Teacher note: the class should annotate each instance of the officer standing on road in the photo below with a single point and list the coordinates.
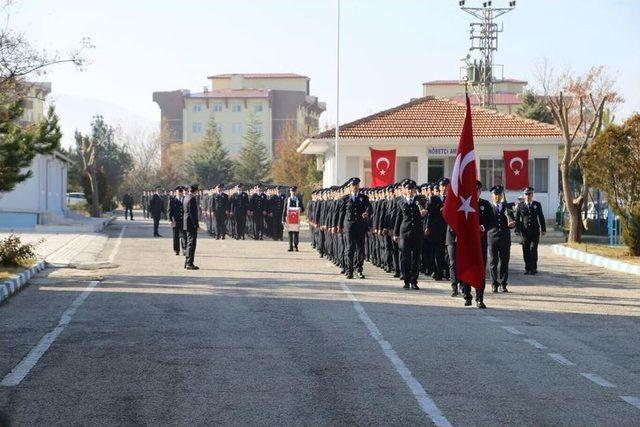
(354, 213)
(221, 210)
(408, 232)
(293, 201)
(191, 225)
(499, 239)
(530, 224)
(239, 209)
(156, 209)
(177, 220)
(127, 202)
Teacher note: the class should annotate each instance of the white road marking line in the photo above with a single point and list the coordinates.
(115, 249)
(512, 330)
(597, 379)
(493, 319)
(22, 369)
(424, 400)
(561, 359)
(535, 343)
(632, 400)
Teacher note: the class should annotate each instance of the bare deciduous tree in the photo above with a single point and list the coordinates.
(577, 103)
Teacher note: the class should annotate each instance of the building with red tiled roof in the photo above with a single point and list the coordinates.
(425, 133)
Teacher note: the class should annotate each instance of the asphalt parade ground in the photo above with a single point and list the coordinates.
(260, 336)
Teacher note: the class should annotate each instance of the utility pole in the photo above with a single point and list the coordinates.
(484, 38)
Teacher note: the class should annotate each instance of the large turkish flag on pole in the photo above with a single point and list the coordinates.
(461, 209)
(383, 167)
(516, 169)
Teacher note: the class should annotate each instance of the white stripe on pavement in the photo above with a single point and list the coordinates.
(597, 379)
(512, 330)
(535, 343)
(424, 400)
(21, 370)
(561, 359)
(632, 400)
(114, 252)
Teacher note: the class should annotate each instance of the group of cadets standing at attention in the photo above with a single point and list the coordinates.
(400, 229)
(227, 210)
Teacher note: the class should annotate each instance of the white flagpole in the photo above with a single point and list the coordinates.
(337, 96)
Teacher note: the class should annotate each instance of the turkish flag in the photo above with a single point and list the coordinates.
(383, 167)
(516, 169)
(461, 209)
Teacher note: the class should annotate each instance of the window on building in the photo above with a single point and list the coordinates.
(218, 106)
(196, 127)
(539, 175)
(236, 128)
(258, 127)
(220, 128)
(236, 107)
(435, 169)
(366, 171)
(491, 172)
(257, 108)
(197, 107)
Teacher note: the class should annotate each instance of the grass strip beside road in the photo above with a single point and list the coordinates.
(619, 253)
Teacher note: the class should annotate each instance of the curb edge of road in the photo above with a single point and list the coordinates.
(597, 260)
(12, 286)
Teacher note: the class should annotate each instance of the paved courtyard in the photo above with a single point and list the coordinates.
(260, 336)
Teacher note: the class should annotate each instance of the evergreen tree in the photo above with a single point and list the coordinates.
(253, 164)
(19, 145)
(210, 163)
(534, 108)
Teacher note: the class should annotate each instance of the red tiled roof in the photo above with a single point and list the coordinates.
(259, 76)
(453, 82)
(499, 98)
(431, 117)
(232, 93)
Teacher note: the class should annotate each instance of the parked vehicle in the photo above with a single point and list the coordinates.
(75, 198)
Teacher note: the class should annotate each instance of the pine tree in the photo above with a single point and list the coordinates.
(253, 164)
(533, 108)
(210, 163)
(19, 146)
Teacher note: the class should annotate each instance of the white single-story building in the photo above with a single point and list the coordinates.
(425, 134)
(39, 197)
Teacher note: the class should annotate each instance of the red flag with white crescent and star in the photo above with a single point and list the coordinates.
(461, 209)
(383, 167)
(516, 169)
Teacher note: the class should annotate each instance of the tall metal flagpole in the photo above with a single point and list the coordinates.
(337, 98)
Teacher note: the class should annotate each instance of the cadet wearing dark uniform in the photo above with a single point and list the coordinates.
(127, 202)
(156, 209)
(221, 209)
(259, 209)
(239, 209)
(499, 239)
(176, 216)
(437, 229)
(354, 213)
(408, 232)
(293, 201)
(191, 225)
(529, 224)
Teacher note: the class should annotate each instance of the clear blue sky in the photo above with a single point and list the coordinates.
(389, 47)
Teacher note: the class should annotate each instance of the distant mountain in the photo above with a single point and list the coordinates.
(75, 112)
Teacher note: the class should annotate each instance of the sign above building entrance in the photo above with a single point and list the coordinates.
(441, 151)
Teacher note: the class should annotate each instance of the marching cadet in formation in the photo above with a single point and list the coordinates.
(258, 211)
(408, 232)
(499, 239)
(529, 225)
(239, 209)
(176, 217)
(354, 212)
(191, 225)
(221, 210)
